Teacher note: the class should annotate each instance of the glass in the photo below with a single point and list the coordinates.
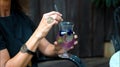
(65, 37)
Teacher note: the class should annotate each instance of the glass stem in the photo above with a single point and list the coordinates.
(64, 55)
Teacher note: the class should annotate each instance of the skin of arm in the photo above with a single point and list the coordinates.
(22, 59)
(46, 47)
(50, 49)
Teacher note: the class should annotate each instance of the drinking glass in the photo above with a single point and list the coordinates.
(65, 38)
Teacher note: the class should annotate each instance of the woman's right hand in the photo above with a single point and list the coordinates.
(47, 21)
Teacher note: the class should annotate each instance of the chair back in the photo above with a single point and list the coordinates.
(116, 30)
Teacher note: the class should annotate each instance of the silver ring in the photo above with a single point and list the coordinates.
(50, 20)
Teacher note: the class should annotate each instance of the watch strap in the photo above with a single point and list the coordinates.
(24, 49)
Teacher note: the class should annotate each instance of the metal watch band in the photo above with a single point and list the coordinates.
(24, 49)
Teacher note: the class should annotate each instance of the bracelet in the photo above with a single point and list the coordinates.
(24, 49)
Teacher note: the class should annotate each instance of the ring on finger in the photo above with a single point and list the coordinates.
(50, 20)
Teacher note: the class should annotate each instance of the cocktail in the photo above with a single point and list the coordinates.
(65, 37)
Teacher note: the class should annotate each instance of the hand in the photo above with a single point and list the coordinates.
(48, 20)
(59, 50)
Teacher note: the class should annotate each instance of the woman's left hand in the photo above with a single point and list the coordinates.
(59, 50)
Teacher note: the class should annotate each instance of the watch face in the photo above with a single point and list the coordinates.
(24, 48)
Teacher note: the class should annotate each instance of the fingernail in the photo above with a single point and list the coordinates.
(76, 42)
(73, 32)
(75, 36)
(72, 47)
(61, 19)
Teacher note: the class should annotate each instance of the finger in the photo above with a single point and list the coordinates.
(57, 17)
(51, 22)
(54, 12)
(75, 36)
(55, 43)
(73, 32)
(72, 47)
(76, 42)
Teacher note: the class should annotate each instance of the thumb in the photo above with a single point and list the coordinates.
(57, 47)
(55, 43)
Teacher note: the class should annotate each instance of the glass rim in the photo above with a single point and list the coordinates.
(67, 23)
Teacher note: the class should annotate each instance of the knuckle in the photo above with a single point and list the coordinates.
(44, 14)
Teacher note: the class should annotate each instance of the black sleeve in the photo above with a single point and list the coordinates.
(2, 42)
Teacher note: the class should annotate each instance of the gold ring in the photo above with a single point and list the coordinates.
(50, 20)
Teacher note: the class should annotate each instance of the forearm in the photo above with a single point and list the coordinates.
(50, 50)
(22, 59)
(46, 47)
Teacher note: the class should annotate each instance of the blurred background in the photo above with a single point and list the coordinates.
(93, 21)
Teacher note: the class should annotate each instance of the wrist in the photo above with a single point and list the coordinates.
(38, 34)
(24, 49)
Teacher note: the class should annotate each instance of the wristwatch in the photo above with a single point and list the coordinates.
(24, 49)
